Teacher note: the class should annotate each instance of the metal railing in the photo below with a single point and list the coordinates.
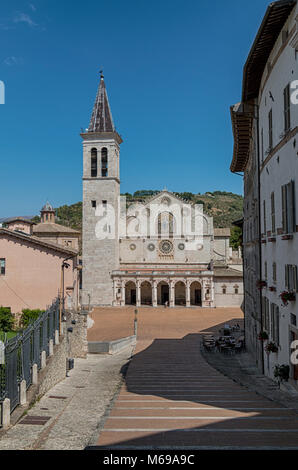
(24, 350)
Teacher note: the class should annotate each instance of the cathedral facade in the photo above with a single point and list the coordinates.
(161, 252)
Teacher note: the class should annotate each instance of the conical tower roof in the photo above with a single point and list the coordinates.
(101, 119)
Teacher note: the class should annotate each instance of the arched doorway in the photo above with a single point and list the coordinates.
(130, 293)
(163, 293)
(180, 293)
(146, 293)
(196, 293)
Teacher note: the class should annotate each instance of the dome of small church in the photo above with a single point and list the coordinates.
(47, 207)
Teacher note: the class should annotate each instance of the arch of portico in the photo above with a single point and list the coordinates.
(196, 293)
(146, 293)
(180, 293)
(130, 293)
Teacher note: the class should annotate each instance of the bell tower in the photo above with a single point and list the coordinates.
(101, 192)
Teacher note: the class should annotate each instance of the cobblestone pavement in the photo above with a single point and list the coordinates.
(111, 323)
(172, 398)
(75, 407)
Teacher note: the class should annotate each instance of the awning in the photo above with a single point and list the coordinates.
(272, 24)
(242, 121)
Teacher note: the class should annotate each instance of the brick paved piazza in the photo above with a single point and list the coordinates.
(172, 398)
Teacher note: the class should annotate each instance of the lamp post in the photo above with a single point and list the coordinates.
(136, 322)
(62, 301)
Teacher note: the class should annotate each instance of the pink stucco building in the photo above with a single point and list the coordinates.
(30, 271)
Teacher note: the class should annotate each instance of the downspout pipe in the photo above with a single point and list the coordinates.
(260, 225)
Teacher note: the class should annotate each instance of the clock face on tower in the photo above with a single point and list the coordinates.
(166, 247)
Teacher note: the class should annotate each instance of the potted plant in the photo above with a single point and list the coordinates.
(263, 336)
(261, 284)
(282, 373)
(272, 289)
(287, 297)
(271, 347)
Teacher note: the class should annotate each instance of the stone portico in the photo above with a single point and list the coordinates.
(185, 288)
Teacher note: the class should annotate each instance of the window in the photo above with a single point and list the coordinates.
(2, 266)
(287, 109)
(262, 145)
(270, 130)
(224, 290)
(265, 306)
(272, 213)
(275, 323)
(93, 204)
(265, 270)
(93, 163)
(288, 207)
(236, 289)
(104, 162)
(274, 272)
(166, 225)
(293, 319)
(291, 277)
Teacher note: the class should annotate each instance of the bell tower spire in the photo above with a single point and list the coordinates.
(101, 194)
(101, 119)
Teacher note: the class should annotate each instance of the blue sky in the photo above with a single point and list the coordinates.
(172, 69)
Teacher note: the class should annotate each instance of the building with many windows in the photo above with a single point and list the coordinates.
(265, 127)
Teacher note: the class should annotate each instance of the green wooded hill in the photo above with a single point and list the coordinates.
(224, 207)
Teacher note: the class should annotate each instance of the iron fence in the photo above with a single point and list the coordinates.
(24, 350)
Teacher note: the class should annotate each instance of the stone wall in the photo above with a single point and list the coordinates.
(71, 345)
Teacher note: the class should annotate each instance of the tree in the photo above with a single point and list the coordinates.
(236, 237)
(6, 319)
(29, 316)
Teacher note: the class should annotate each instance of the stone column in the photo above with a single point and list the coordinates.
(51, 347)
(203, 293)
(43, 359)
(23, 395)
(154, 294)
(187, 288)
(122, 293)
(172, 293)
(138, 293)
(56, 336)
(6, 413)
(212, 296)
(115, 290)
(34, 374)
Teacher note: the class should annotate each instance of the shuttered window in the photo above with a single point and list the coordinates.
(270, 129)
(272, 213)
(287, 109)
(274, 272)
(288, 207)
(274, 330)
(291, 277)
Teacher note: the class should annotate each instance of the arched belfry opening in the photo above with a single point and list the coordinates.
(104, 162)
(94, 163)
